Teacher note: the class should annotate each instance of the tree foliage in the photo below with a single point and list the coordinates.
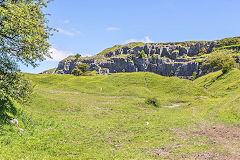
(194, 76)
(220, 61)
(6, 106)
(14, 85)
(228, 41)
(23, 38)
(142, 54)
(152, 101)
(77, 56)
(80, 69)
(23, 32)
(202, 51)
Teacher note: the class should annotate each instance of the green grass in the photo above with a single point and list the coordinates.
(231, 47)
(103, 117)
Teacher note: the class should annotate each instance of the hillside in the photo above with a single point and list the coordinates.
(177, 58)
(107, 117)
(180, 59)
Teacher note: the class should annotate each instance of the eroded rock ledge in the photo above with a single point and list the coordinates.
(167, 59)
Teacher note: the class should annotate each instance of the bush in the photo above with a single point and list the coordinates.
(80, 69)
(171, 73)
(14, 85)
(77, 56)
(228, 41)
(152, 101)
(6, 107)
(202, 51)
(155, 56)
(93, 73)
(194, 76)
(142, 54)
(76, 72)
(231, 47)
(220, 61)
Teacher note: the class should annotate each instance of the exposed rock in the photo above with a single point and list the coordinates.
(166, 49)
(163, 58)
(179, 67)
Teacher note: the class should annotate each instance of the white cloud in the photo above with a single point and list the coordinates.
(148, 40)
(66, 21)
(145, 40)
(69, 33)
(78, 32)
(58, 54)
(65, 32)
(112, 29)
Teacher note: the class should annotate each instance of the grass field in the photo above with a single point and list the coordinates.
(106, 117)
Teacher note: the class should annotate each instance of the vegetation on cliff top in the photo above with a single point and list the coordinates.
(226, 43)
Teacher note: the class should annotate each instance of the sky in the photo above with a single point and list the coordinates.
(89, 26)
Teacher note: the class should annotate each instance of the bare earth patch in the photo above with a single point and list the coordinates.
(226, 136)
(173, 105)
(223, 139)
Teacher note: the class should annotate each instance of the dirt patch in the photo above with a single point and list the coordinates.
(62, 92)
(223, 141)
(220, 131)
(226, 136)
(166, 153)
(173, 105)
(161, 153)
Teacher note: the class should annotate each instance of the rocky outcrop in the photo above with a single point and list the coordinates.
(163, 58)
(183, 68)
(169, 50)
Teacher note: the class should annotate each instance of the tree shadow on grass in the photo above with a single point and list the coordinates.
(7, 108)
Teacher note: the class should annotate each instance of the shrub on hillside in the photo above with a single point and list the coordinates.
(152, 101)
(194, 76)
(142, 54)
(220, 61)
(171, 73)
(6, 107)
(202, 51)
(77, 56)
(155, 56)
(228, 41)
(80, 69)
(14, 85)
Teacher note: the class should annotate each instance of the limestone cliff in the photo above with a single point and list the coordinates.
(175, 59)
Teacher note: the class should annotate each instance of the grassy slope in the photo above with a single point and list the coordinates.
(226, 92)
(104, 117)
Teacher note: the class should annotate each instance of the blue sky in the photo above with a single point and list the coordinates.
(89, 26)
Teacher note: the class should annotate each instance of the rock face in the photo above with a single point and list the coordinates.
(169, 50)
(163, 58)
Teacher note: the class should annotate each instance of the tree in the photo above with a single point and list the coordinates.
(80, 69)
(77, 56)
(220, 61)
(23, 38)
(202, 51)
(171, 73)
(228, 41)
(24, 31)
(194, 76)
(142, 54)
